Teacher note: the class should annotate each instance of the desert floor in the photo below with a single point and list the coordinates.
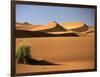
(71, 53)
(66, 66)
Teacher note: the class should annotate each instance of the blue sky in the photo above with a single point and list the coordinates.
(38, 14)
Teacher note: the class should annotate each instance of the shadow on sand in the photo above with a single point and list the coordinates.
(28, 34)
(36, 62)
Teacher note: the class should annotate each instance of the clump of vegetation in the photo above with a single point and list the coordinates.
(23, 54)
(23, 57)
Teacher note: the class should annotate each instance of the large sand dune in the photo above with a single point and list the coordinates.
(72, 53)
(25, 27)
(76, 26)
(72, 25)
(50, 27)
(53, 28)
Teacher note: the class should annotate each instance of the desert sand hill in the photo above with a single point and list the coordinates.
(75, 26)
(55, 28)
(72, 53)
(27, 27)
(72, 25)
(50, 27)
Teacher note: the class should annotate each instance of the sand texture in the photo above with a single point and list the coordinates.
(70, 53)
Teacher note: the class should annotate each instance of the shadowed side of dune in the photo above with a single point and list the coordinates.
(28, 34)
(81, 29)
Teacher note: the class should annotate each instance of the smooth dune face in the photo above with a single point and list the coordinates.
(43, 27)
(54, 27)
(26, 27)
(72, 25)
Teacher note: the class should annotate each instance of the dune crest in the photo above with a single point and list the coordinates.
(53, 28)
(72, 25)
(50, 27)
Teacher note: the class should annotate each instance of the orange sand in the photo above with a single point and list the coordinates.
(74, 52)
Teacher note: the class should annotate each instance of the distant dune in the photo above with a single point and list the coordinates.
(76, 26)
(72, 25)
(52, 29)
(25, 27)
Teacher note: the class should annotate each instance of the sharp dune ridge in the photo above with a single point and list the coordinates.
(53, 29)
(50, 27)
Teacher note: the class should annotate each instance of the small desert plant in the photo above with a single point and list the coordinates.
(23, 54)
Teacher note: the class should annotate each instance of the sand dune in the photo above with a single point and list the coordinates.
(50, 27)
(76, 26)
(72, 25)
(54, 27)
(25, 27)
(72, 53)
(30, 34)
(43, 27)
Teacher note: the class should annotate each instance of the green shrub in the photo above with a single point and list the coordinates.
(23, 54)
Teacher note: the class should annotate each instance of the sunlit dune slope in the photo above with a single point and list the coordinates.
(27, 27)
(53, 27)
(50, 27)
(75, 26)
(72, 25)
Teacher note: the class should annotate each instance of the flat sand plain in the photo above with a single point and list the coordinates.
(72, 53)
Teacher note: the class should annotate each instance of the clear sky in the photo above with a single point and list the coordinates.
(38, 14)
